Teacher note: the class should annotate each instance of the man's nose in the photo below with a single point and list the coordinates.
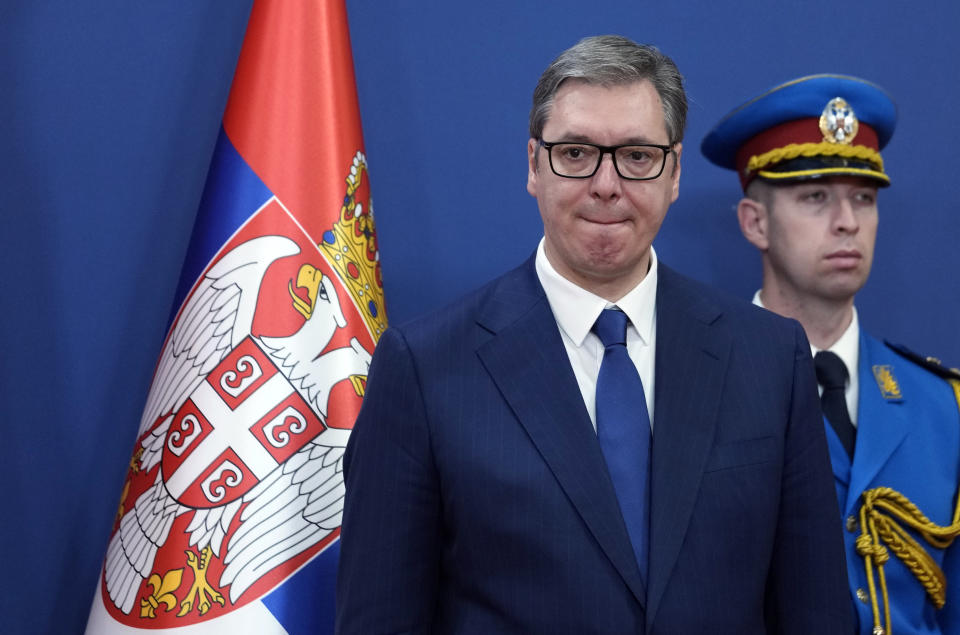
(845, 219)
(606, 183)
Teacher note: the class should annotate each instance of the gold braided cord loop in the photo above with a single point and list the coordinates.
(881, 509)
(794, 150)
(867, 547)
(873, 553)
(882, 516)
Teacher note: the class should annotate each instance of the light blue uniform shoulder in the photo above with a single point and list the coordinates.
(932, 364)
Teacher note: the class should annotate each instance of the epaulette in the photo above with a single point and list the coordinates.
(932, 364)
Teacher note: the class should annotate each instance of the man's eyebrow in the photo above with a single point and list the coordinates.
(569, 138)
(580, 138)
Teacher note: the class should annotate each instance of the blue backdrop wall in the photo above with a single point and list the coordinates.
(108, 115)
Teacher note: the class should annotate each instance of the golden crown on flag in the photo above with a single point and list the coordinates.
(351, 246)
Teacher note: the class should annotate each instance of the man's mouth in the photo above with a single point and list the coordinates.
(604, 220)
(845, 258)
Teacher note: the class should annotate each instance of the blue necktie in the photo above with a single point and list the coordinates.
(623, 428)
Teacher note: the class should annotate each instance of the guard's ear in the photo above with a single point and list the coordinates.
(754, 222)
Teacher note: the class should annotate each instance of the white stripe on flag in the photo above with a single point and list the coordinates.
(250, 619)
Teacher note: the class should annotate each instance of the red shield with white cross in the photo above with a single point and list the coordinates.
(237, 480)
(242, 422)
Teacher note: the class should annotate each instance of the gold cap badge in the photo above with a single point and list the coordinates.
(838, 123)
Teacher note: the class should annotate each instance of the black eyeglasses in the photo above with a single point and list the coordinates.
(636, 162)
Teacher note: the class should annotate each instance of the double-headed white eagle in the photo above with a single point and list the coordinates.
(298, 503)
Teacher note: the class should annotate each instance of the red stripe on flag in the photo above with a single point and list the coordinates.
(293, 113)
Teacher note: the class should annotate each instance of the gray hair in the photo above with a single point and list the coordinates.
(612, 60)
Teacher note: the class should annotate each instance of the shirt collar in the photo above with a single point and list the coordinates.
(576, 309)
(847, 347)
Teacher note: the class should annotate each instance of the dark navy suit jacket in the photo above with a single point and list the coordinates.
(478, 500)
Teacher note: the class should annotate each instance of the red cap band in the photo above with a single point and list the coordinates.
(794, 132)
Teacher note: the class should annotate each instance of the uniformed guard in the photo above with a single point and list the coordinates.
(808, 157)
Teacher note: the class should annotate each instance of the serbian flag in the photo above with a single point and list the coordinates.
(230, 511)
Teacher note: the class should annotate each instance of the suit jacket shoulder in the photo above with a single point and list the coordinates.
(492, 306)
(713, 306)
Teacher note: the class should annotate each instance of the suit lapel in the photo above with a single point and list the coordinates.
(881, 423)
(691, 363)
(528, 362)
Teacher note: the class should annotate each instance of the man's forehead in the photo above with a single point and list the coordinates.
(602, 90)
(629, 112)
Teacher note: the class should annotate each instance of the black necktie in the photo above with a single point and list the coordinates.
(623, 428)
(832, 375)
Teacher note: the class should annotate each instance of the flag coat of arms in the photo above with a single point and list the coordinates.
(235, 488)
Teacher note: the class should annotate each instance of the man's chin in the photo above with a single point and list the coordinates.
(843, 288)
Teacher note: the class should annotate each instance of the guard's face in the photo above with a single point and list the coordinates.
(598, 230)
(820, 237)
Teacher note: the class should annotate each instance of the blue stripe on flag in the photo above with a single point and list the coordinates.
(306, 600)
(233, 192)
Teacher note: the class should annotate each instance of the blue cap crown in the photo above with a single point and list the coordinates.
(811, 127)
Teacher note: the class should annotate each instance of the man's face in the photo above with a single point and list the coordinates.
(820, 237)
(598, 230)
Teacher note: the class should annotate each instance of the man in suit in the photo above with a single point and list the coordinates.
(502, 476)
(808, 156)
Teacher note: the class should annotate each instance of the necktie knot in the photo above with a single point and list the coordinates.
(611, 327)
(831, 371)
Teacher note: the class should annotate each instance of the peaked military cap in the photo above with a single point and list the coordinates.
(811, 127)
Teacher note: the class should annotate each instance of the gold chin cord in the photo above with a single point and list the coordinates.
(883, 515)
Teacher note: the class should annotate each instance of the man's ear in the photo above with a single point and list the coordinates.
(754, 222)
(532, 147)
(675, 175)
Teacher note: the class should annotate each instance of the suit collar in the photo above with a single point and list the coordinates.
(526, 358)
(693, 349)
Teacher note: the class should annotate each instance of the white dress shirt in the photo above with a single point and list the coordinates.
(576, 310)
(847, 349)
